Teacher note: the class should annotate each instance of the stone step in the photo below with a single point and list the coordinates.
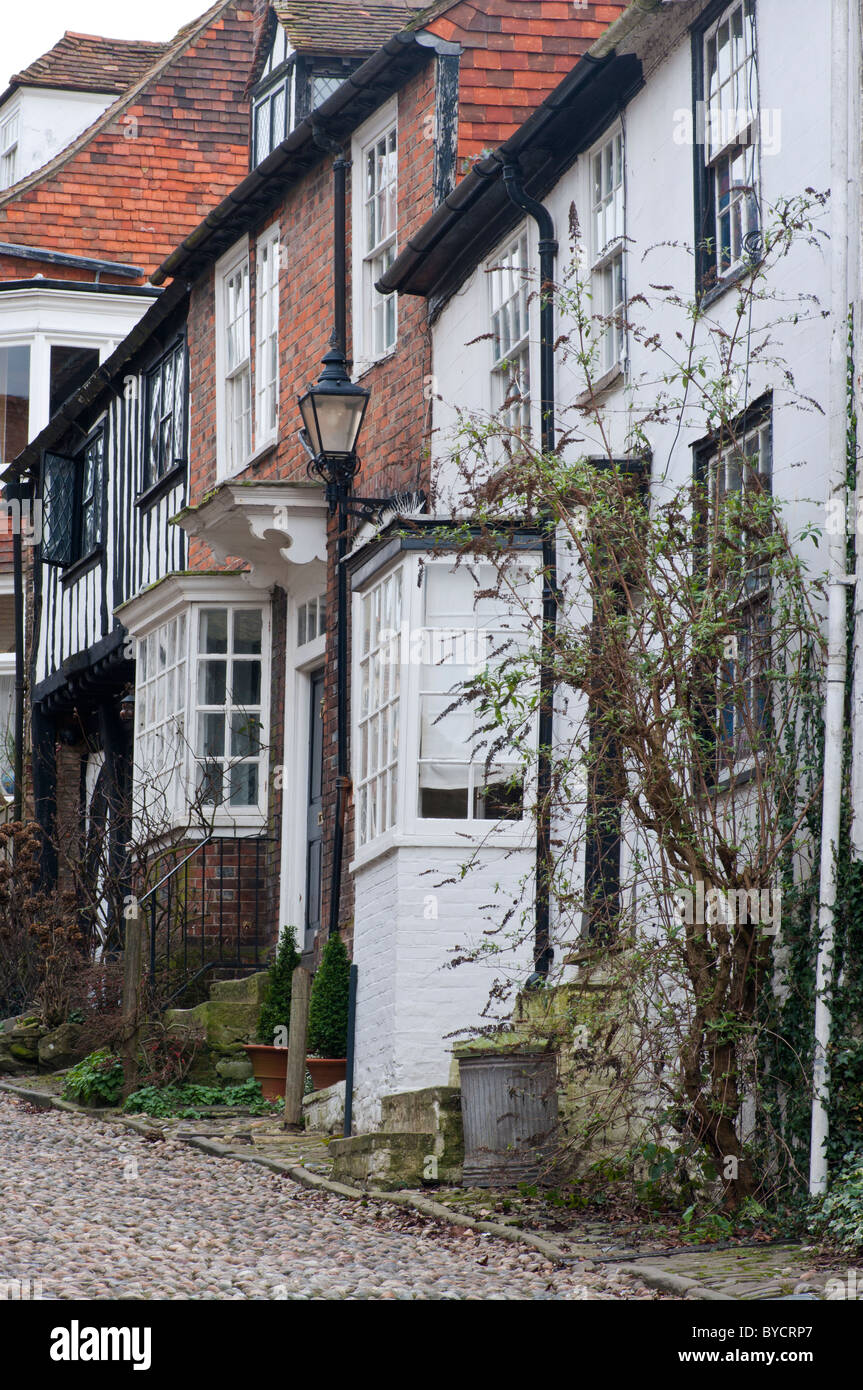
(433, 1110)
(244, 989)
(393, 1160)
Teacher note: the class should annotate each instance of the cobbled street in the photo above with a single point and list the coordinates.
(92, 1212)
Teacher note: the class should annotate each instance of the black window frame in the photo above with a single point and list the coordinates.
(706, 452)
(152, 479)
(67, 552)
(709, 280)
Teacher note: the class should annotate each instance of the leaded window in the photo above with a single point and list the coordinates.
(166, 415)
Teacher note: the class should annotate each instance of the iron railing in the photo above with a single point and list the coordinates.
(207, 912)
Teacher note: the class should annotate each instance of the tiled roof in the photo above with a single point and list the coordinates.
(88, 63)
(343, 26)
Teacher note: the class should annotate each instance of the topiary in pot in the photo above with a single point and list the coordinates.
(275, 1016)
(328, 1014)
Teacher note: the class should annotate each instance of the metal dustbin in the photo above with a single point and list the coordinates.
(509, 1109)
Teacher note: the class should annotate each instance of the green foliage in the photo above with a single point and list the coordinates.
(96, 1080)
(276, 1009)
(328, 1006)
(839, 1219)
(186, 1101)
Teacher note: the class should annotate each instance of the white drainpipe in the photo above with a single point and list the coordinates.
(834, 705)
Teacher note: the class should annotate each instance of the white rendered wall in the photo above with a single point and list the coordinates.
(795, 102)
(50, 120)
(408, 1000)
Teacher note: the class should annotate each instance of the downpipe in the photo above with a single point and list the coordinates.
(543, 950)
(838, 583)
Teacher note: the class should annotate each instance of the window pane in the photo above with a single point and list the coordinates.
(245, 735)
(211, 735)
(243, 780)
(210, 783)
(214, 630)
(70, 367)
(247, 631)
(246, 683)
(211, 682)
(14, 401)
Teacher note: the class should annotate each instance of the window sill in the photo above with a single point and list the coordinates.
(77, 568)
(728, 282)
(451, 835)
(162, 485)
(602, 385)
(223, 476)
(364, 365)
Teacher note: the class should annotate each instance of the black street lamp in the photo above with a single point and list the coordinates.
(333, 412)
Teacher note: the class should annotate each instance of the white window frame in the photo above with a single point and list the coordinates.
(509, 295)
(232, 458)
(266, 351)
(736, 140)
(186, 596)
(280, 51)
(368, 263)
(606, 172)
(198, 708)
(10, 137)
(408, 827)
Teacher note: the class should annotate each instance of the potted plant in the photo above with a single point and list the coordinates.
(269, 1055)
(328, 1016)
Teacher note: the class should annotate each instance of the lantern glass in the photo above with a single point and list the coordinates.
(333, 418)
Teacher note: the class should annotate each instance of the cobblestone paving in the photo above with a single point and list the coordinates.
(96, 1212)
(770, 1272)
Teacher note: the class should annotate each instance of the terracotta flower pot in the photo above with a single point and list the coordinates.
(270, 1065)
(326, 1071)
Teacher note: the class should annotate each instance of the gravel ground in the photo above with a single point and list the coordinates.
(94, 1212)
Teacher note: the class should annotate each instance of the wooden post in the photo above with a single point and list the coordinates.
(301, 987)
(132, 958)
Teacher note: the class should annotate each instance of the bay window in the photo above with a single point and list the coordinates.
(379, 683)
(201, 711)
(607, 249)
(425, 761)
(160, 714)
(14, 400)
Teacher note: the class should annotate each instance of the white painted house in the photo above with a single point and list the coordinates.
(633, 176)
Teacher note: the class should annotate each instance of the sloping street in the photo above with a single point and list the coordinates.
(91, 1213)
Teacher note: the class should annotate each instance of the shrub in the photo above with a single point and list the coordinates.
(276, 1008)
(839, 1219)
(97, 1080)
(186, 1100)
(328, 1006)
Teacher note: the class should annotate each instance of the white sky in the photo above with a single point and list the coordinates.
(27, 31)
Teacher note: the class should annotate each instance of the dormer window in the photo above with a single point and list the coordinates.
(274, 99)
(290, 86)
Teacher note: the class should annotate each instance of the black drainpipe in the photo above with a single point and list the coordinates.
(543, 950)
(14, 490)
(340, 168)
